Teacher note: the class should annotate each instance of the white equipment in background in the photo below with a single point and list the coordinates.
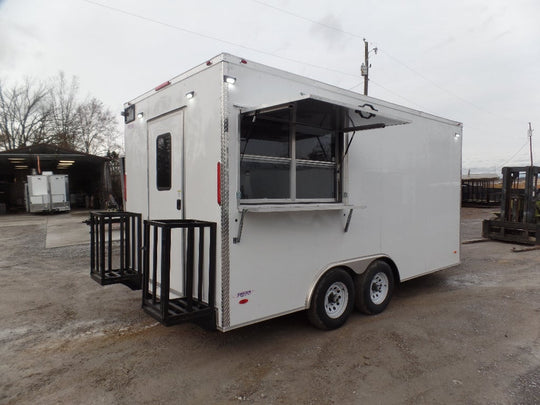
(47, 192)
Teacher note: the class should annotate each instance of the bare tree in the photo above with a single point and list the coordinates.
(24, 112)
(88, 125)
(97, 127)
(33, 113)
(64, 123)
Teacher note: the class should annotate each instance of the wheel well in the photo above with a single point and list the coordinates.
(347, 269)
(387, 260)
(393, 266)
(310, 294)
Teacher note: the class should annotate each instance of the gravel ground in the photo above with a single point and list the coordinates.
(466, 335)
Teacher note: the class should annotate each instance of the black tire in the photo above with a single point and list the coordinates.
(374, 288)
(333, 300)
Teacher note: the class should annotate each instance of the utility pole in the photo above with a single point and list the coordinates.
(365, 66)
(530, 143)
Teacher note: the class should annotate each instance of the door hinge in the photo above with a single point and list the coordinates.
(226, 125)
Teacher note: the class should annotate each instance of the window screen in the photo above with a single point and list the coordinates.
(163, 162)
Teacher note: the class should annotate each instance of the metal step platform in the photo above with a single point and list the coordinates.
(190, 245)
(115, 248)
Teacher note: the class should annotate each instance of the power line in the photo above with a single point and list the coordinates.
(527, 142)
(396, 60)
(206, 36)
(307, 19)
(271, 54)
(395, 94)
(515, 154)
(192, 32)
(282, 10)
(433, 83)
(351, 34)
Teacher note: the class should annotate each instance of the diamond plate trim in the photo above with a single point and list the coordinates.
(225, 258)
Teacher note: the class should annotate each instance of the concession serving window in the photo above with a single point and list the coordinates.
(293, 153)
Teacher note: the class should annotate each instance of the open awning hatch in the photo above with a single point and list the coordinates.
(360, 117)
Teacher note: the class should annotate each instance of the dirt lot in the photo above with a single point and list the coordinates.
(467, 335)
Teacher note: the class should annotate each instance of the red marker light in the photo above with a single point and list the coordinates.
(243, 61)
(208, 63)
(244, 301)
(219, 183)
(162, 85)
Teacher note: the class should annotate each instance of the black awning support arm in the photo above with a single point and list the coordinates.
(364, 127)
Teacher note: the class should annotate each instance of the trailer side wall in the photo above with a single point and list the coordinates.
(404, 181)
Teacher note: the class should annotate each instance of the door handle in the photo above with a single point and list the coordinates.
(179, 204)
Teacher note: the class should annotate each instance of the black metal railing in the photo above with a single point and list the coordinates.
(115, 248)
(188, 247)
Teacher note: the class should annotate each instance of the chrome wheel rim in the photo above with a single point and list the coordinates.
(336, 300)
(378, 290)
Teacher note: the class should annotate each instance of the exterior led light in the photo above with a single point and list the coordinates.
(140, 115)
(229, 79)
(190, 94)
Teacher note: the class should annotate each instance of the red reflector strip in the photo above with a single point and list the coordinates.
(219, 183)
(244, 301)
(162, 85)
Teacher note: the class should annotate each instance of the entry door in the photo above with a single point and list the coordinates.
(165, 162)
(165, 189)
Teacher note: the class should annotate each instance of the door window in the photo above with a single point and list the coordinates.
(163, 162)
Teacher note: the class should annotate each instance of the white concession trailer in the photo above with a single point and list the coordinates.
(322, 199)
(47, 192)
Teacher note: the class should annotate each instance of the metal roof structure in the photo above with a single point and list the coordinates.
(85, 171)
(42, 157)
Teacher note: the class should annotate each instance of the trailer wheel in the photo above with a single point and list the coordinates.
(333, 300)
(374, 288)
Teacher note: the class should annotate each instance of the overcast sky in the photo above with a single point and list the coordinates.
(473, 61)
